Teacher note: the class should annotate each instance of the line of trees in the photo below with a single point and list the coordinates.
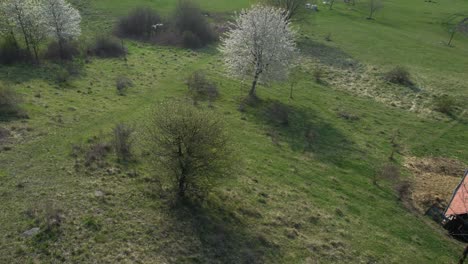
(35, 21)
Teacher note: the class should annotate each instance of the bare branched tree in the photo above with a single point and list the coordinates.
(456, 23)
(191, 144)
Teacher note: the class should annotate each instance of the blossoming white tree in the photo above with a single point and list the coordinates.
(260, 45)
(24, 17)
(62, 21)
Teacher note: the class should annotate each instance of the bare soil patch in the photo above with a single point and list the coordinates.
(434, 180)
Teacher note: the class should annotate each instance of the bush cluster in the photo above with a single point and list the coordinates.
(69, 51)
(138, 24)
(192, 25)
(107, 47)
(187, 27)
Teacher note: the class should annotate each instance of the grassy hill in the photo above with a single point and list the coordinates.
(294, 200)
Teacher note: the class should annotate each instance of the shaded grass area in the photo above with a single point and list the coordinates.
(293, 200)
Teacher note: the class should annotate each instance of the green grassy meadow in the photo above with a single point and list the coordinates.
(291, 202)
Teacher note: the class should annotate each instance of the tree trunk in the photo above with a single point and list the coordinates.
(36, 55)
(254, 84)
(183, 173)
(60, 43)
(331, 4)
(26, 41)
(181, 192)
(12, 34)
(451, 38)
(291, 92)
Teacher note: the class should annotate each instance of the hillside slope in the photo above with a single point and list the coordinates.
(296, 199)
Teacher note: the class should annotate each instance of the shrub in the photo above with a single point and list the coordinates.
(122, 84)
(138, 24)
(278, 113)
(318, 74)
(191, 144)
(107, 47)
(69, 51)
(9, 103)
(445, 104)
(190, 40)
(190, 22)
(10, 51)
(96, 154)
(200, 88)
(122, 142)
(399, 75)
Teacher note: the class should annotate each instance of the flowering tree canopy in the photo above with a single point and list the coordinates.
(24, 16)
(62, 19)
(260, 44)
(34, 20)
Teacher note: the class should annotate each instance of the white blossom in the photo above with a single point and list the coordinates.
(25, 17)
(260, 44)
(62, 19)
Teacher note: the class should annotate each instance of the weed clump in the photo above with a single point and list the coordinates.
(445, 104)
(200, 88)
(97, 153)
(399, 75)
(122, 142)
(9, 103)
(122, 84)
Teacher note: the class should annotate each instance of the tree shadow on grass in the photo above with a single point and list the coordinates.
(213, 234)
(328, 55)
(20, 73)
(50, 72)
(305, 131)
